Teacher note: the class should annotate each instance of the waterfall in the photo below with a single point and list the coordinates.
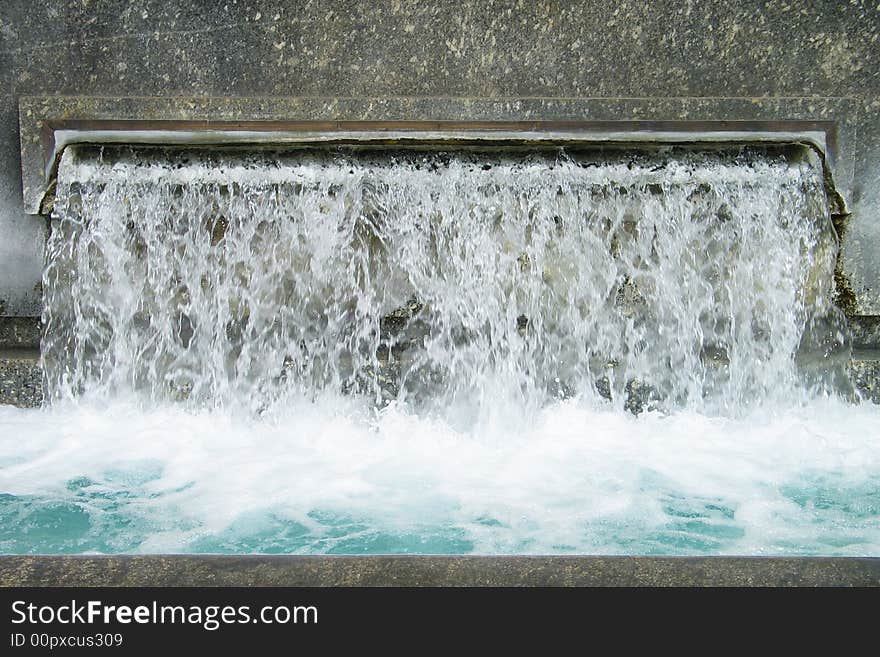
(460, 283)
(372, 350)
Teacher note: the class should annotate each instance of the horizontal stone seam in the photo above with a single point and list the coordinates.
(137, 35)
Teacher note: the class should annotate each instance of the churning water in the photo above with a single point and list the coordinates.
(423, 351)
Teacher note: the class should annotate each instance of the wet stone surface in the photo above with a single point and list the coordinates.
(866, 377)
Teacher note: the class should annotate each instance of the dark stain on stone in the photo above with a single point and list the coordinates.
(844, 297)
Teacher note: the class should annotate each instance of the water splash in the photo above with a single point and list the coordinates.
(466, 284)
(326, 477)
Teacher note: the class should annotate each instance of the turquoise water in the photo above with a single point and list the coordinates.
(583, 479)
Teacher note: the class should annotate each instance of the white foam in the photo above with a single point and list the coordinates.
(581, 479)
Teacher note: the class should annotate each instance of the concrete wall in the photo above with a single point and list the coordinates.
(457, 59)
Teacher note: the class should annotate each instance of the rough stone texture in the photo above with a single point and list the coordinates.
(435, 571)
(865, 372)
(21, 378)
(860, 254)
(448, 47)
(865, 332)
(22, 237)
(457, 59)
(19, 333)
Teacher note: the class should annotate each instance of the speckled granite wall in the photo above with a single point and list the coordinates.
(456, 60)
(21, 379)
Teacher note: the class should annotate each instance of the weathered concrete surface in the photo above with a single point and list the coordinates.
(746, 117)
(182, 570)
(455, 59)
(865, 372)
(22, 237)
(21, 378)
(860, 256)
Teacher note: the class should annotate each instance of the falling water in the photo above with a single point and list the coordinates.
(459, 283)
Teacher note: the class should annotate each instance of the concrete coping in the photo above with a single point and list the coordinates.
(393, 134)
(497, 571)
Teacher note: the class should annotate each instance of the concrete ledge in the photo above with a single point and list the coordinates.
(318, 571)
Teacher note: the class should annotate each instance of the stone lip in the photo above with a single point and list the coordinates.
(418, 571)
(48, 123)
